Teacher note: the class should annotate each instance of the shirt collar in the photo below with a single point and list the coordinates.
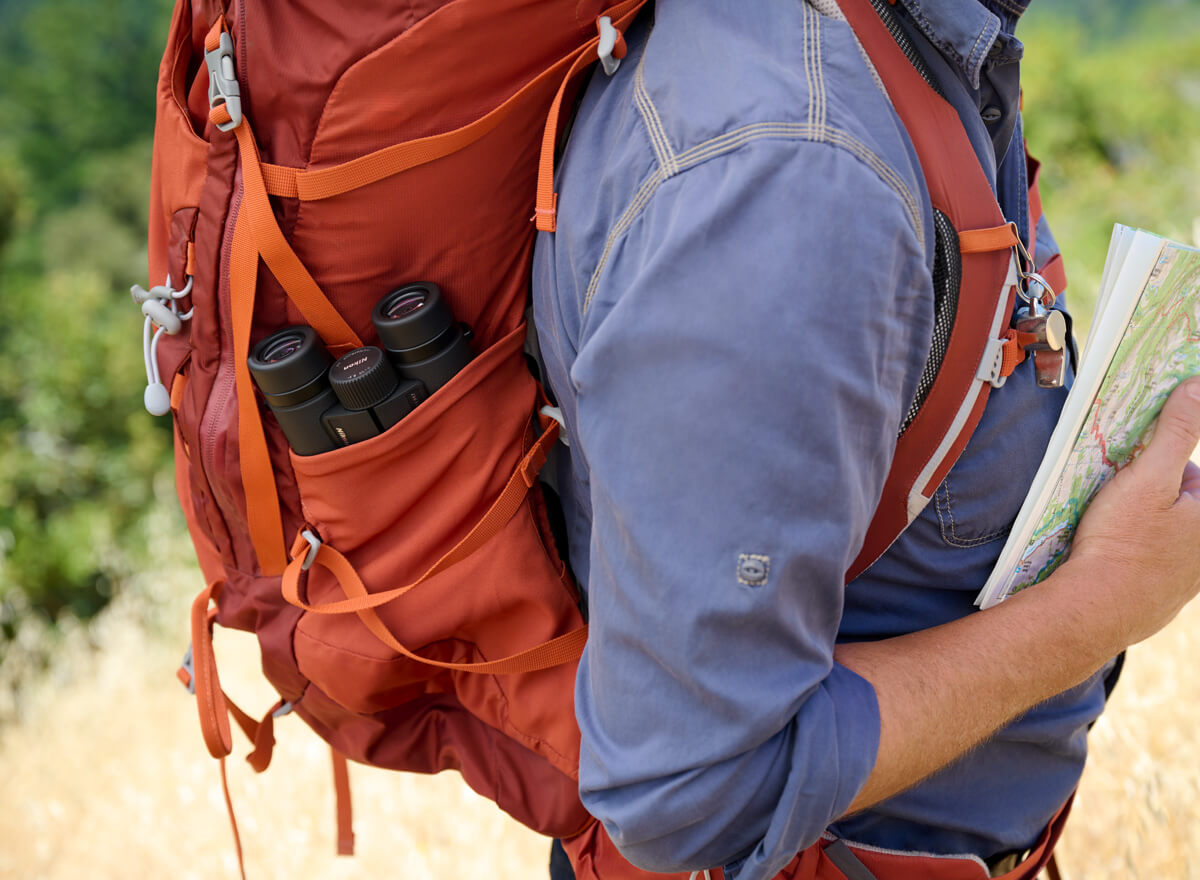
(966, 30)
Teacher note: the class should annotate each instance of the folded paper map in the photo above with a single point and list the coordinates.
(1145, 340)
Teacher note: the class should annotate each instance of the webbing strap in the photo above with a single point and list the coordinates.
(546, 209)
(995, 238)
(344, 806)
(210, 700)
(324, 183)
(562, 649)
(237, 838)
(255, 235)
(497, 516)
(1014, 350)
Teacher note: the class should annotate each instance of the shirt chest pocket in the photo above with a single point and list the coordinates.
(981, 496)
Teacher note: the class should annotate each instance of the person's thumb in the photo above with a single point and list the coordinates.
(1176, 435)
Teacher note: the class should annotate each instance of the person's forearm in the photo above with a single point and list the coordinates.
(943, 690)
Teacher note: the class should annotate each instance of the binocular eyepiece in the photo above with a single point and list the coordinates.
(322, 404)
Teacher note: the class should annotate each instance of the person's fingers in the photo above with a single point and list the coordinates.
(1191, 480)
(1175, 438)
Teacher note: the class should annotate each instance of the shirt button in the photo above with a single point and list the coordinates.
(991, 115)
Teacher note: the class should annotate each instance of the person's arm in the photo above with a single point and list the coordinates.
(742, 370)
(1135, 562)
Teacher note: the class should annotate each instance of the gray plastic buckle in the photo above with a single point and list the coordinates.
(285, 709)
(189, 667)
(223, 86)
(992, 363)
(314, 545)
(608, 42)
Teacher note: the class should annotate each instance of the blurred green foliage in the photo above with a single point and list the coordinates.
(1112, 107)
(78, 454)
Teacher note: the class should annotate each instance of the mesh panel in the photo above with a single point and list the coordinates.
(892, 23)
(947, 278)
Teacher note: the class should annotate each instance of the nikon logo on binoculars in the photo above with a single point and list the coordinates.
(322, 404)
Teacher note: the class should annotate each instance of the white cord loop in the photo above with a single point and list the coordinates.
(160, 305)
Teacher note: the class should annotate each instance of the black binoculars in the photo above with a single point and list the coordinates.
(322, 404)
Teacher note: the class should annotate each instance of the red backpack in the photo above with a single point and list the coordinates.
(406, 591)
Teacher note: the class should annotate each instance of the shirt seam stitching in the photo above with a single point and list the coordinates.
(658, 135)
(727, 143)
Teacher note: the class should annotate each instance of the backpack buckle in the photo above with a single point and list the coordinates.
(223, 88)
(610, 48)
(314, 547)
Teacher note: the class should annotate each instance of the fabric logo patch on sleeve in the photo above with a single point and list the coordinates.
(753, 569)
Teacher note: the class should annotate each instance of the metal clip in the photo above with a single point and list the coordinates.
(314, 546)
(608, 41)
(285, 709)
(223, 86)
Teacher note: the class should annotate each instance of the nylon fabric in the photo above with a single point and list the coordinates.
(497, 516)
(557, 651)
(547, 200)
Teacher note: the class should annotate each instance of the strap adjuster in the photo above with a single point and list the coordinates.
(314, 547)
(223, 88)
(611, 48)
(991, 368)
(187, 671)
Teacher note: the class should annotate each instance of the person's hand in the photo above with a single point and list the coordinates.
(1138, 544)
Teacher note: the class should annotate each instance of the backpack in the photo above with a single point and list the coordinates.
(406, 590)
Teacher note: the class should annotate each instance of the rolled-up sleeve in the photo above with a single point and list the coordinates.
(743, 367)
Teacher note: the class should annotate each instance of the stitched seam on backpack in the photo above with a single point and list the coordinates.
(658, 134)
(730, 141)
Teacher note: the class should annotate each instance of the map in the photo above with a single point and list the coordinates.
(1156, 348)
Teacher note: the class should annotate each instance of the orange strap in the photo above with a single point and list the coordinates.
(1014, 350)
(237, 838)
(210, 700)
(502, 510)
(995, 238)
(323, 183)
(256, 234)
(546, 210)
(562, 649)
(345, 808)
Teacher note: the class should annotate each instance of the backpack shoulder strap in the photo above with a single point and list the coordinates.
(953, 403)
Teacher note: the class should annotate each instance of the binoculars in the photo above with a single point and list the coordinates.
(322, 404)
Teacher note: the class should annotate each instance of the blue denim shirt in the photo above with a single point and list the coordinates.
(734, 314)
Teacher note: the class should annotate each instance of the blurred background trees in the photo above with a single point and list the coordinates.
(1112, 106)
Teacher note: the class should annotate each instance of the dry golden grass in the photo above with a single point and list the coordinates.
(106, 777)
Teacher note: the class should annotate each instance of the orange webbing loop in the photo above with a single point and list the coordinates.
(546, 210)
(995, 238)
(1014, 350)
(344, 806)
(212, 40)
(562, 649)
(210, 700)
(502, 510)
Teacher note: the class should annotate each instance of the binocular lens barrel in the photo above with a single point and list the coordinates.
(290, 368)
(321, 407)
(420, 334)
